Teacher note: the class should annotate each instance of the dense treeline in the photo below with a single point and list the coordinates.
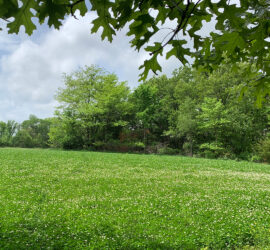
(191, 113)
(31, 133)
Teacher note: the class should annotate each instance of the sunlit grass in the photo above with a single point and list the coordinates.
(59, 199)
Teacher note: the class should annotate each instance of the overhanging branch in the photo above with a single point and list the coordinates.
(71, 6)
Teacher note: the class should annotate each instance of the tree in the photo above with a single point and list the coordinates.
(2, 133)
(33, 133)
(146, 104)
(242, 29)
(205, 115)
(7, 131)
(93, 108)
(246, 123)
(185, 124)
(23, 139)
(213, 122)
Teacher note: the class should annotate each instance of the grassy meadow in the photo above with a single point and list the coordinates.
(52, 199)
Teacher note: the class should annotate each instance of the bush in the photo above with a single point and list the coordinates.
(264, 149)
(244, 156)
(118, 146)
(212, 150)
(188, 148)
(255, 158)
(168, 151)
(139, 146)
(72, 142)
(99, 145)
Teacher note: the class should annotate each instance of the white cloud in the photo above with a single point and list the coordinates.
(31, 68)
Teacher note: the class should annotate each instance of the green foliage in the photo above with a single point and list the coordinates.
(139, 145)
(118, 146)
(185, 125)
(167, 151)
(33, 133)
(76, 200)
(23, 139)
(264, 149)
(241, 32)
(212, 150)
(213, 119)
(66, 135)
(7, 131)
(93, 108)
(207, 110)
(145, 104)
(192, 112)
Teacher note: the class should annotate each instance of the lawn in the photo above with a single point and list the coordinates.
(52, 199)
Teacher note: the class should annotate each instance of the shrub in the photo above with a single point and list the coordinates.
(118, 146)
(212, 149)
(264, 149)
(139, 146)
(188, 148)
(255, 158)
(71, 142)
(99, 145)
(168, 151)
(244, 156)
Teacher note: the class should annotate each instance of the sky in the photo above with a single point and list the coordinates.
(31, 68)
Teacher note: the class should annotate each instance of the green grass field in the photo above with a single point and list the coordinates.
(53, 199)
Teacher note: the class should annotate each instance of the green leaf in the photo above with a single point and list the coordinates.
(22, 17)
(107, 32)
(140, 29)
(151, 64)
(229, 42)
(104, 19)
(8, 8)
(178, 51)
(157, 48)
(81, 7)
(54, 10)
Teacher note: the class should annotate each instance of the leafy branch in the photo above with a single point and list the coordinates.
(72, 5)
(185, 16)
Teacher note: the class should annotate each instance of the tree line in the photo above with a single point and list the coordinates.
(31, 133)
(190, 113)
